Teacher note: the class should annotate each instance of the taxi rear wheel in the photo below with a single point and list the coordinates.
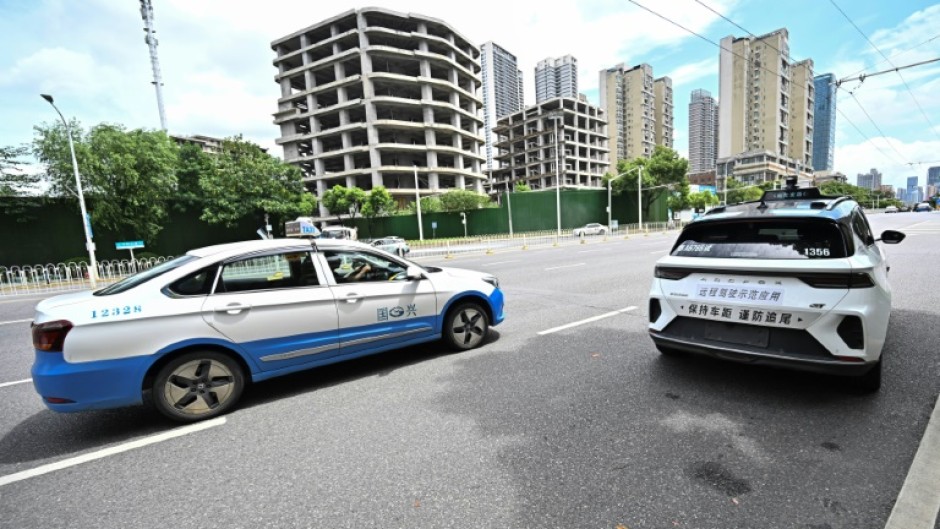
(466, 326)
(870, 381)
(197, 386)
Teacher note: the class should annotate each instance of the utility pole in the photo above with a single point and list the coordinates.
(146, 12)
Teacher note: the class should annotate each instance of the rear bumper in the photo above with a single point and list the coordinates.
(744, 354)
(88, 385)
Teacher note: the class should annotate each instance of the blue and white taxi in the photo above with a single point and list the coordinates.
(189, 334)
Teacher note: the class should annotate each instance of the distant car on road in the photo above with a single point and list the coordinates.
(391, 244)
(923, 206)
(593, 228)
(904, 208)
(891, 209)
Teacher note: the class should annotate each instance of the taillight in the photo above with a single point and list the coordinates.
(853, 280)
(50, 336)
(664, 272)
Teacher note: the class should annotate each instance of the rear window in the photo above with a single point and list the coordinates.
(773, 239)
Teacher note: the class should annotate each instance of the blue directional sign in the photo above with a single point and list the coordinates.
(128, 245)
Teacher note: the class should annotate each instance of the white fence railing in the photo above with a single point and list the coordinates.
(39, 279)
(48, 278)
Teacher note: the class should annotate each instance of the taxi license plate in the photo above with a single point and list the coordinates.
(737, 334)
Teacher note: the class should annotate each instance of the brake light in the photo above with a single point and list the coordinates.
(50, 336)
(853, 280)
(663, 272)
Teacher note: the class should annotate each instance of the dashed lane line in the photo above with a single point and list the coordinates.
(565, 266)
(14, 383)
(110, 451)
(15, 321)
(587, 320)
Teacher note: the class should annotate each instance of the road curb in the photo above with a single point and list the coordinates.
(919, 500)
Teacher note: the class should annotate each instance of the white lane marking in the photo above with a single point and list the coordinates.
(565, 266)
(659, 251)
(919, 500)
(582, 322)
(15, 321)
(5, 384)
(114, 450)
(588, 251)
(504, 262)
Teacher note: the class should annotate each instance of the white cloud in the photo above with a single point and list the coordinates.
(913, 32)
(879, 153)
(687, 73)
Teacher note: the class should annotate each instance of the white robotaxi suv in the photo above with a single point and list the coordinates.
(794, 280)
(189, 334)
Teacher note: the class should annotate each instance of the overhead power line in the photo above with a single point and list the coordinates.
(907, 86)
(898, 54)
(862, 77)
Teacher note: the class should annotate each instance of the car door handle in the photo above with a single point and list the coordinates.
(233, 308)
(352, 297)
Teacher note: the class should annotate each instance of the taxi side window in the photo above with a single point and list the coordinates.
(195, 284)
(266, 272)
(351, 266)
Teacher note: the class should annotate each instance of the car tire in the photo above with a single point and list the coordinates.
(603, 232)
(870, 382)
(197, 385)
(466, 326)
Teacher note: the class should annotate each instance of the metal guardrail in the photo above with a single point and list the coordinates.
(41, 279)
(522, 241)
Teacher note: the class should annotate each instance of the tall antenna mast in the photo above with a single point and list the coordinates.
(146, 12)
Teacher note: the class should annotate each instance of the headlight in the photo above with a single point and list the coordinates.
(492, 280)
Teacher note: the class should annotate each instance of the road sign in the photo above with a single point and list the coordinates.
(128, 245)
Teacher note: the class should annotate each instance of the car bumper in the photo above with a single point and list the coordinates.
(745, 354)
(88, 385)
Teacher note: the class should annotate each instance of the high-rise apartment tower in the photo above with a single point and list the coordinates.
(556, 78)
(502, 91)
(766, 111)
(703, 132)
(639, 110)
(824, 125)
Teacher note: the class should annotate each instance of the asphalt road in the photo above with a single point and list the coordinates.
(585, 427)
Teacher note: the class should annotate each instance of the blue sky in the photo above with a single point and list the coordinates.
(219, 80)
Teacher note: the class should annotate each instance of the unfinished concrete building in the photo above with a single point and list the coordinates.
(529, 148)
(372, 95)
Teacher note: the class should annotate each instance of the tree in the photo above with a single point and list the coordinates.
(702, 200)
(14, 179)
(738, 192)
(522, 188)
(342, 200)
(128, 176)
(192, 163)
(247, 180)
(378, 203)
(428, 205)
(663, 173)
(457, 200)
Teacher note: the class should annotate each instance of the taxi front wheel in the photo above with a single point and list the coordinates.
(466, 326)
(197, 386)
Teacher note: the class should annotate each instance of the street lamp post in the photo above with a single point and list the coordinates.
(86, 222)
(418, 205)
(639, 194)
(558, 172)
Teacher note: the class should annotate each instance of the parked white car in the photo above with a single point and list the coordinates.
(794, 280)
(593, 228)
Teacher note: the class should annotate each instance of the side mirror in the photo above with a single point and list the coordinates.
(413, 272)
(891, 237)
